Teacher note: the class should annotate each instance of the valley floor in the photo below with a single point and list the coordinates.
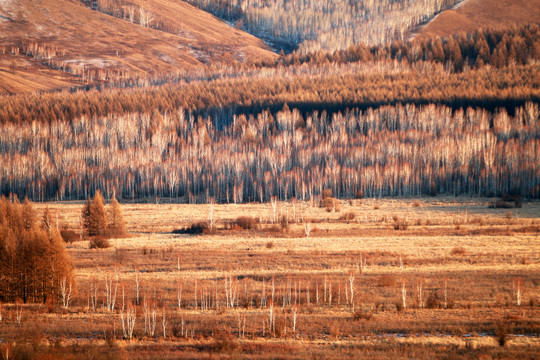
(376, 278)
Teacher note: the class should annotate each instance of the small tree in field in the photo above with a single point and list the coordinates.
(117, 226)
(94, 216)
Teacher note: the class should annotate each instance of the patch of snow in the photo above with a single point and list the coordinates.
(100, 63)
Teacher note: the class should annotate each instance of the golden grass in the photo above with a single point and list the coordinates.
(480, 281)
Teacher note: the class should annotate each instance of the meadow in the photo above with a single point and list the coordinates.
(408, 278)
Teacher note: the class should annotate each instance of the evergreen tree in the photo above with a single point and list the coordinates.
(94, 216)
(117, 225)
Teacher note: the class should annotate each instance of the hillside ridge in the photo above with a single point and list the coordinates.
(45, 45)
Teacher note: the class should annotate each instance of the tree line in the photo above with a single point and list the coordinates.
(494, 47)
(327, 87)
(402, 150)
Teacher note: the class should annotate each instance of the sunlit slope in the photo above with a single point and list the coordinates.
(474, 14)
(88, 45)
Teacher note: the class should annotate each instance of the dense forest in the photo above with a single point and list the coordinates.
(390, 151)
(453, 116)
(312, 25)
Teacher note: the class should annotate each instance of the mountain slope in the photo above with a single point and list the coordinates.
(471, 15)
(39, 35)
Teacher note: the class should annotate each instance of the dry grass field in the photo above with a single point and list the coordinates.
(273, 292)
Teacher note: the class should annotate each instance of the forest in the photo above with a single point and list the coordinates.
(308, 26)
(402, 150)
(452, 116)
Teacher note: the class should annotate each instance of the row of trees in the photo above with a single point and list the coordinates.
(326, 25)
(34, 264)
(330, 87)
(389, 151)
(494, 47)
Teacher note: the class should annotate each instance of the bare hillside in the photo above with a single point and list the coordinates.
(48, 44)
(474, 14)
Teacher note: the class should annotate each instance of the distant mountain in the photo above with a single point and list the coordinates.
(53, 44)
(470, 15)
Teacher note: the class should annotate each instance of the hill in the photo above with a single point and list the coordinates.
(50, 44)
(471, 15)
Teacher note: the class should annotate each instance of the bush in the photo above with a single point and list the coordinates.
(416, 203)
(361, 315)
(327, 193)
(224, 341)
(501, 204)
(433, 301)
(99, 242)
(69, 236)
(400, 224)
(458, 250)
(386, 281)
(269, 244)
(330, 204)
(247, 222)
(194, 229)
(501, 332)
(348, 216)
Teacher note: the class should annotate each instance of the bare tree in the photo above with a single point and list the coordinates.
(66, 291)
(145, 17)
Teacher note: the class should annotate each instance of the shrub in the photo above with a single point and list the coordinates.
(247, 222)
(432, 301)
(224, 341)
(416, 203)
(269, 244)
(501, 204)
(330, 204)
(361, 315)
(386, 281)
(458, 250)
(501, 332)
(348, 216)
(69, 236)
(194, 229)
(327, 193)
(99, 242)
(400, 224)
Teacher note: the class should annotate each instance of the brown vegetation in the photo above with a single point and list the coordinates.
(33, 259)
(230, 294)
(103, 48)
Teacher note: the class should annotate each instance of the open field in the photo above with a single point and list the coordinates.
(462, 267)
